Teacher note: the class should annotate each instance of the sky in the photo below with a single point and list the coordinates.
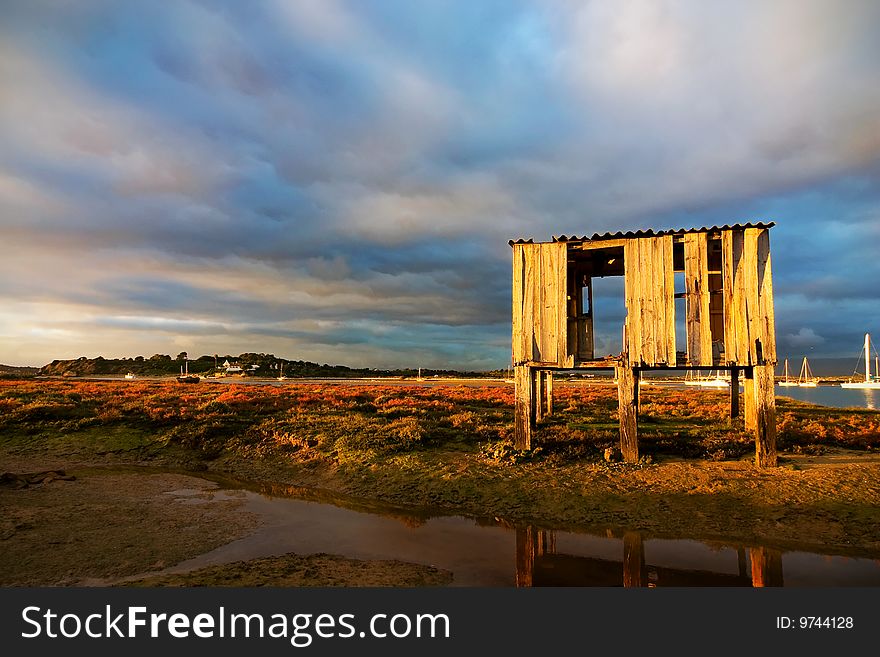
(337, 181)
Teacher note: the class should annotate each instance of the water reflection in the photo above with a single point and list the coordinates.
(539, 563)
(491, 551)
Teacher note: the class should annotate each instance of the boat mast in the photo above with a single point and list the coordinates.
(867, 357)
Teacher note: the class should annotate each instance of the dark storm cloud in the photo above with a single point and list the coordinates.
(338, 180)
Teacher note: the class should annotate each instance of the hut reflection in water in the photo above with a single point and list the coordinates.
(539, 564)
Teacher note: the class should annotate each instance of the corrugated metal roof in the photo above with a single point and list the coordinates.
(597, 237)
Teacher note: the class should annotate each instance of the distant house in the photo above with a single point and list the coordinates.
(232, 368)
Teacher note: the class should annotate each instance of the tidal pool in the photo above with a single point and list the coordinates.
(493, 552)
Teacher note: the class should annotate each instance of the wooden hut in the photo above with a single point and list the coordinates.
(728, 320)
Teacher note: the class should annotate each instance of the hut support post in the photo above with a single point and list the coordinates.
(749, 417)
(543, 394)
(765, 416)
(627, 402)
(734, 393)
(538, 394)
(524, 406)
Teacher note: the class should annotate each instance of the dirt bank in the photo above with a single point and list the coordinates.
(101, 527)
(828, 503)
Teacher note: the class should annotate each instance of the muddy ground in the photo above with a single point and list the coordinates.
(112, 524)
(102, 527)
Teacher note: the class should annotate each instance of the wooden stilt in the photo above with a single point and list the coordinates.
(634, 571)
(637, 391)
(524, 407)
(540, 395)
(548, 390)
(734, 393)
(765, 417)
(766, 567)
(749, 416)
(627, 400)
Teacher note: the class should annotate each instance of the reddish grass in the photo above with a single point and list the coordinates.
(336, 421)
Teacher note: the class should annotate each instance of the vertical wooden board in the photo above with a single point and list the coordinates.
(548, 390)
(649, 293)
(658, 299)
(539, 343)
(734, 303)
(518, 293)
(549, 308)
(741, 280)
(548, 312)
(692, 297)
(727, 268)
(698, 327)
(528, 317)
(753, 342)
(706, 355)
(669, 274)
(765, 293)
(633, 307)
(564, 356)
(646, 283)
(639, 319)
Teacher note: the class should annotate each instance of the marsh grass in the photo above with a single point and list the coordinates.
(337, 424)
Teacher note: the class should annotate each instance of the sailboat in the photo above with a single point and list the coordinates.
(806, 378)
(787, 381)
(710, 381)
(281, 376)
(716, 381)
(186, 377)
(870, 382)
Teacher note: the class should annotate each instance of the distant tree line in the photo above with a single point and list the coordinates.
(267, 365)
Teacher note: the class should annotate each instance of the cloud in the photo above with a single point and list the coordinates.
(338, 180)
(804, 338)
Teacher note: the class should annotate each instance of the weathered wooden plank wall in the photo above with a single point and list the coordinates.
(650, 300)
(762, 321)
(749, 333)
(540, 332)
